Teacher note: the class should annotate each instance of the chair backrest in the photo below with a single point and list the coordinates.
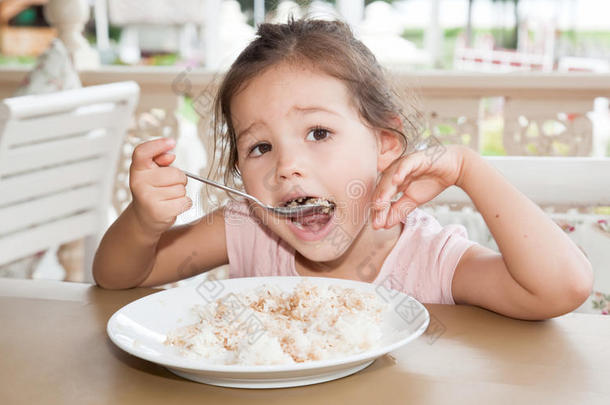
(549, 181)
(58, 157)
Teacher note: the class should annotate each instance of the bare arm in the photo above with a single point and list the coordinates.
(126, 253)
(129, 256)
(190, 249)
(141, 248)
(540, 273)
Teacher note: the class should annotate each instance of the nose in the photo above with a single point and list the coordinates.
(288, 164)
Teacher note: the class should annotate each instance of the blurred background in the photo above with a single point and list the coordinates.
(520, 80)
(489, 35)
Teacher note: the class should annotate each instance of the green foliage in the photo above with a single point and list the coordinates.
(491, 137)
(453, 32)
(602, 211)
(17, 60)
(575, 37)
(187, 110)
(167, 59)
(414, 35)
(114, 32)
(25, 18)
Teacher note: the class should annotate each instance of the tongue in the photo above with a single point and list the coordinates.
(313, 219)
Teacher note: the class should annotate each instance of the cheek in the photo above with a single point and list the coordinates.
(359, 152)
(260, 184)
(356, 173)
(252, 185)
(355, 192)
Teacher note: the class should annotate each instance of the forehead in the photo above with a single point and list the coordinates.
(285, 89)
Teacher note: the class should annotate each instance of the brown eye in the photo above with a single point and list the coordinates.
(259, 149)
(319, 134)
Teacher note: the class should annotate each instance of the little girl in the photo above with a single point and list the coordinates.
(305, 111)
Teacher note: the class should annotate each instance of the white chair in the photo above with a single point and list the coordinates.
(58, 159)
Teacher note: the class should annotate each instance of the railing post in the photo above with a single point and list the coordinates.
(432, 37)
(351, 11)
(259, 12)
(210, 37)
(101, 25)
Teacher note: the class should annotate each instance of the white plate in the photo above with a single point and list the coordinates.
(140, 328)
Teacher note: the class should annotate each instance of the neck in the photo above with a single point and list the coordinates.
(363, 258)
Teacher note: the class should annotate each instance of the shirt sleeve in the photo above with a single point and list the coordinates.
(451, 244)
(434, 253)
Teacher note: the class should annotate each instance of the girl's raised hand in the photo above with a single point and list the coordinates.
(420, 176)
(159, 192)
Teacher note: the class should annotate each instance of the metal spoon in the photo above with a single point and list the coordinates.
(295, 211)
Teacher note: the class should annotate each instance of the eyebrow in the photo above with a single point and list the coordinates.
(297, 109)
(313, 109)
(245, 131)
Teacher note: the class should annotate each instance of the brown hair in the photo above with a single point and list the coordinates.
(327, 46)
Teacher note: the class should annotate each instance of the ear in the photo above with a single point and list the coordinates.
(390, 145)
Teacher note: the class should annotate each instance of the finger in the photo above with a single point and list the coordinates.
(413, 166)
(385, 188)
(171, 192)
(164, 159)
(399, 211)
(178, 205)
(395, 178)
(167, 176)
(403, 174)
(381, 205)
(380, 215)
(144, 153)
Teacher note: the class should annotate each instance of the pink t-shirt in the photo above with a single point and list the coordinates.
(421, 264)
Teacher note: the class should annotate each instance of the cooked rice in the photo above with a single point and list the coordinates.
(266, 326)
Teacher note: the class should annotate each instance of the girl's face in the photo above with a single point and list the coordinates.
(299, 134)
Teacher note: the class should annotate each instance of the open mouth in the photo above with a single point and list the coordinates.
(315, 221)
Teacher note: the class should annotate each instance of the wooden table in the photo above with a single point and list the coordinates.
(54, 349)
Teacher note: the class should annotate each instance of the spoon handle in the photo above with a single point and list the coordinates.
(222, 186)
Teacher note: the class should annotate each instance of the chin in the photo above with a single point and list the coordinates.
(317, 253)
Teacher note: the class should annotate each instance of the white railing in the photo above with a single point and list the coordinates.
(489, 60)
